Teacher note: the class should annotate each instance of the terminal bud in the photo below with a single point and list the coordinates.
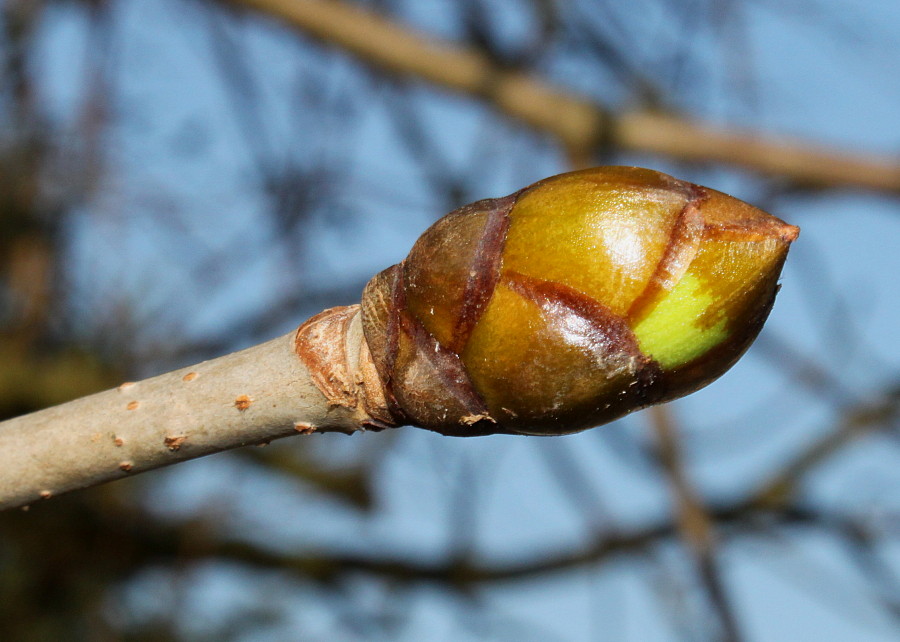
(572, 302)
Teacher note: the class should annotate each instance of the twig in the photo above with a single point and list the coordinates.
(249, 397)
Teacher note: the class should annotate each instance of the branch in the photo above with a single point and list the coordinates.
(465, 573)
(254, 396)
(581, 125)
(694, 524)
(857, 422)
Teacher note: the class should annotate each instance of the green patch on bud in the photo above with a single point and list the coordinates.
(673, 333)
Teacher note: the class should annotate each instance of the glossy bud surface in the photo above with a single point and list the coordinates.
(572, 302)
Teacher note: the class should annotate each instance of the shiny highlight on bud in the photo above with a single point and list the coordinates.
(572, 302)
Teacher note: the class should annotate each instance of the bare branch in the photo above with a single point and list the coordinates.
(580, 124)
(465, 572)
(857, 422)
(254, 396)
(694, 524)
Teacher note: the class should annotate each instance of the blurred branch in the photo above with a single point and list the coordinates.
(575, 486)
(467, 571)
(578, 123)
(857, 422)
(694, 525)
(804, 369)
(861, 546)
(198, 540)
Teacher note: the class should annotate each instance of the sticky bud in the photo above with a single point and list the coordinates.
(572, 302)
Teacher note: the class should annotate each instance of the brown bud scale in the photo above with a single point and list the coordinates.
(571, 302)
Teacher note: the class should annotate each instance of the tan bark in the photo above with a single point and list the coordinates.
(250, 397)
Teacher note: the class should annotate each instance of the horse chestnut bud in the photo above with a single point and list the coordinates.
(572, 302)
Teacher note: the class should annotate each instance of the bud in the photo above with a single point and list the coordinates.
(572, 302)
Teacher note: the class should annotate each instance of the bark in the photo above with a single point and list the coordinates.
(262, 393)
(581, 125)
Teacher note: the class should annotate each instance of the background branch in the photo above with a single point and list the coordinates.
(581, 126)
(695, 528)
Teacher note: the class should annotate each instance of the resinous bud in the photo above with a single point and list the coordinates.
(572, 302)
